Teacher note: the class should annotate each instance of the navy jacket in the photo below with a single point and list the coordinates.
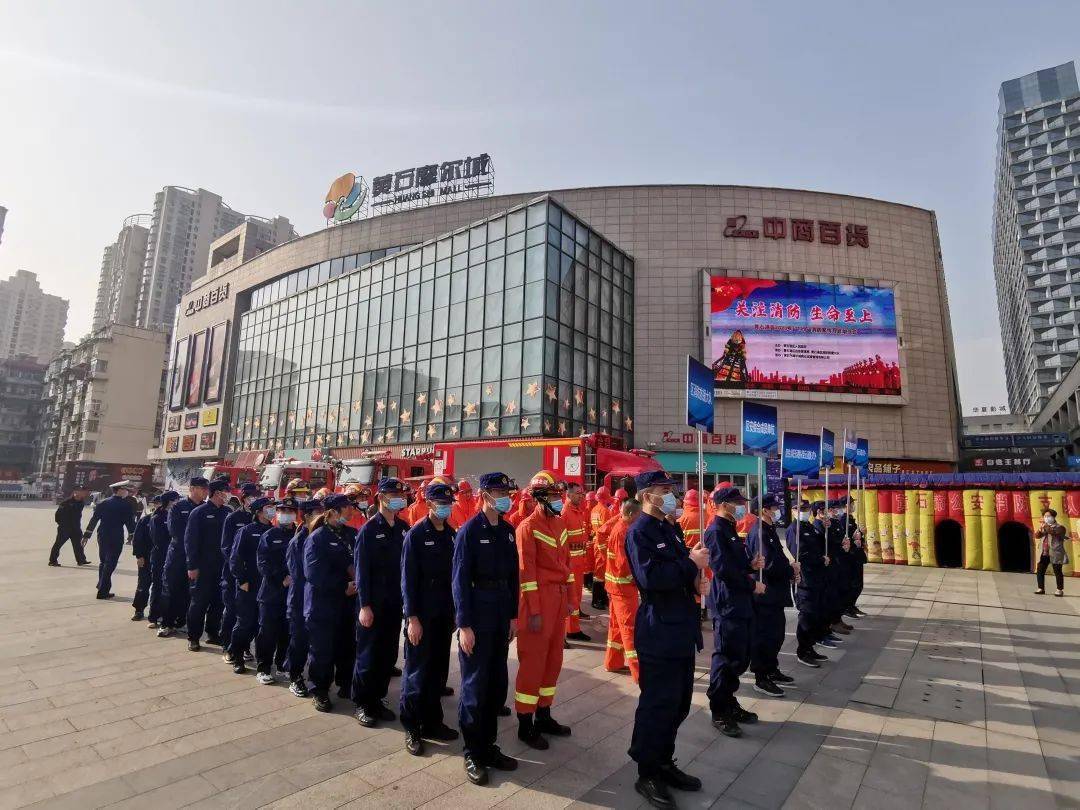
(142, 541)
(270, 559)
(202, 539)
(811, 554)
(159, 526)
(235, 521)
(111, 516)
(427, 559)
(326, 571)
(177, 523)
(377, 560)
(732, 589)
(778, 572)
(294, 561)
(858, 555)
(485, 575)
(243, 559)
(68, 516)
(668, 623)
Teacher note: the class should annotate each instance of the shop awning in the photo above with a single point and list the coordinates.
(619, 462)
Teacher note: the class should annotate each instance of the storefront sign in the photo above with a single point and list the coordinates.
(801, 230)
(886, 466)
(464, 178)
(799, 455)
(207, 299)
(346, 198)
(1005, 461)
(999, 441)
(699, 396)
(674, 437)
(760, 429)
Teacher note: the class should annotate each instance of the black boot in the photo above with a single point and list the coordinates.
(529, 734)
(597, 594)
(545, 723)
(655, 792)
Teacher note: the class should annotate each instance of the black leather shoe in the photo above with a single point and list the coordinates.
(322, 703)
(545, 724)
(475, 772)
(54, 564)
(808, 660)
(500, 761)
(413, 744)
(138, 617)
(396, 672)
(741, 715)
(440, 733)
(382, 712)
(215, 640)
(655, 793)
(447, 691)
(504, 711)
(675, 777)
(780, 677)
(366, 718)
(86, 562)
(579, 636)
(238, 667)
(529, 734)
(582, 614)
(193, 646)
(727, 726)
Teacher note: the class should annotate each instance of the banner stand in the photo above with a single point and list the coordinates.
(760, 496)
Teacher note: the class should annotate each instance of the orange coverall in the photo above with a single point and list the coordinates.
(622, 603)
(419, 509)
(693, 533)
(545, 577)
(577, 532)
(465, 506)
(600, 515)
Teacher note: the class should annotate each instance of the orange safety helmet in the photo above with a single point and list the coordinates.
(545, 484)
(296, 485)
(590, 499)
(621, 495)
(321, 494)
(691, 498)
(357, 490)
(464, 487)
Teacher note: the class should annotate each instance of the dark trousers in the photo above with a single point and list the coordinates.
(108, 557)
(272, 641)
(157, 574)
(175, 588)
(376, 654)
(484, 681)
(142, 587)
(730, 658)
(298, 644)
(424, 675)
(204, 605)
(228, 606)
(767, 639)
(63, 536)
(856, 584)
(247, 620)
(345, 646)
(323, 624)
(1040, 573)
(667, 685)
(807, 631)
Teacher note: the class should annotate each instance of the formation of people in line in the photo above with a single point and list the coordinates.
(326, 590)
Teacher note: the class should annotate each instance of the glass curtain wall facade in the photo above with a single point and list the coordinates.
(520, 325)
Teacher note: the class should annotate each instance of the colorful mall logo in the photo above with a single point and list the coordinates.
(345, 198)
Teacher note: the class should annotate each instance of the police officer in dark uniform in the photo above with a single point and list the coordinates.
(159, 534)
(839, 546)
(807, 546)
(235, 520)
(858, 561)
(244, 565)
(485, 589)
(202, 549)
(828, 600)
(426, 562)
(731, 605)
(289, 517)
(272, 641)
(175, 582)
(142, 546)
(377, 560)
(667, 631)
(328, 581)
(768, 635)
(68, 519)
(111, 516)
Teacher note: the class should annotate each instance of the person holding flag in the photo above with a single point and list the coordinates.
(807, 547)
(769, 623)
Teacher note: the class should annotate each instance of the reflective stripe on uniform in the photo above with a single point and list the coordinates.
(529, 586)
(531, 700)
(614, 645)
(609, 577)
(575, 532)
(570, 578)
(579, 553)
(575, 612)
(563, 538)
(546, 538)
(688, 532)
(631, 654)
(547, 691)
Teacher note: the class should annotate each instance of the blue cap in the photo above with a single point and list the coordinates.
(288, 503)
(249, 488)
(392, 485)
(312, 505)
(156, 499)
(495, 480)
(771, 502)
(169, 495)
(336, 501)
(198, 481)
(728, 495)
(259, 503)
(817, 506)
(218, 485)
(653, 478)
(439, 492)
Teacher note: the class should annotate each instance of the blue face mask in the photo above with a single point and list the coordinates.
(502, 504)
(443, 510)
(556, 505)
(740, 512)
(778, 514)
(395, 504)
(670, 504)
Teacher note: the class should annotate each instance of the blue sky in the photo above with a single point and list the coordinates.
(266, 102)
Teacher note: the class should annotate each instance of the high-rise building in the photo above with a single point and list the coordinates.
(1037, 232)
(31, 321)
(121, 274)
(184, 224)
(3, 216)
(21, 380)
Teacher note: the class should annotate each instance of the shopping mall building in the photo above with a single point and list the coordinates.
(554, 313)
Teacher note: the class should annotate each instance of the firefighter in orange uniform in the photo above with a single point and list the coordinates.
(623, 595)
(577, 532)
(524, 507)
(419, 509)
(465, 505)
(360, 497)
(545, 577)
(600, 514)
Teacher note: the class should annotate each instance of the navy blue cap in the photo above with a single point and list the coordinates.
(259, 503)
(392, 485)
(439, 492)
(728, 495)
(169, 495)
(288, 503)
(771, 502)
(249, 488)
(336, 501)
(805, 504)
(495, 480)
(198, 481)
(817, 506)
(653, 478)
(156, 499)
(218, 485)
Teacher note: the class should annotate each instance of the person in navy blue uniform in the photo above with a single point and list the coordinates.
(202, 550)
(427, 596)
(290, 515)
(142, 546)
(176, 590)
(826, 631)
(111, 517)
(159, 536)
(244, 565)
(667, 634)
(235, 520)
(858, 560)
(807, 546)
(68, 517)
(377, 562)
(328, 581)
(839, 550)
(769, 622)
(731, 605)
(272, 641)
(485, 593)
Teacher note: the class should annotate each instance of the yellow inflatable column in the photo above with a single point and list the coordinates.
(989, 531)
(868, 521)
(899, 536)
(924, 502)
(884, 526)
(1072, 523)
(973, 512)
(912, 535)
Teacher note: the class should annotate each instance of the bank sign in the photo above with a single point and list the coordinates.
(448, 180)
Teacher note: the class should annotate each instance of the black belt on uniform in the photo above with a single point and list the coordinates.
(489, 584)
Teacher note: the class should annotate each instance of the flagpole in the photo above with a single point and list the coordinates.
(847, 503)
(701, 487)
(798, 511)
(760, 496)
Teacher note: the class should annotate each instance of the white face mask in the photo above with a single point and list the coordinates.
(804, 516)
(1048, 520)
(778, 514)
(269, 513)
(285, 518)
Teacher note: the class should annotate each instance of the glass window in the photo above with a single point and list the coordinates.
(513, 304)
(496, 229)
(459, 287)
(478, 235)
(534, 263)
(461, 242)
(534, 299)
(495, 275)
(473, 367)
(533, 357)
(537, 213)
(493, 306)
(536, 236)
(515, 221)
(492, 363)
(474, 318)
(515, 269)
(511, 361)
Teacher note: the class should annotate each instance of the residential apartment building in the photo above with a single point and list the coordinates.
(121, 274)
(100, 398)
(3, 216)
(31, 321)
(21, 382)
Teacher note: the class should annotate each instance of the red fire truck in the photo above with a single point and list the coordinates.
(367, 468)
(238, 476)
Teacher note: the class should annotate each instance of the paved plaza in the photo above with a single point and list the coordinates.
(960, 690)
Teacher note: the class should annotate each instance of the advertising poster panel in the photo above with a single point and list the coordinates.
(799, 455)
(760, 429)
